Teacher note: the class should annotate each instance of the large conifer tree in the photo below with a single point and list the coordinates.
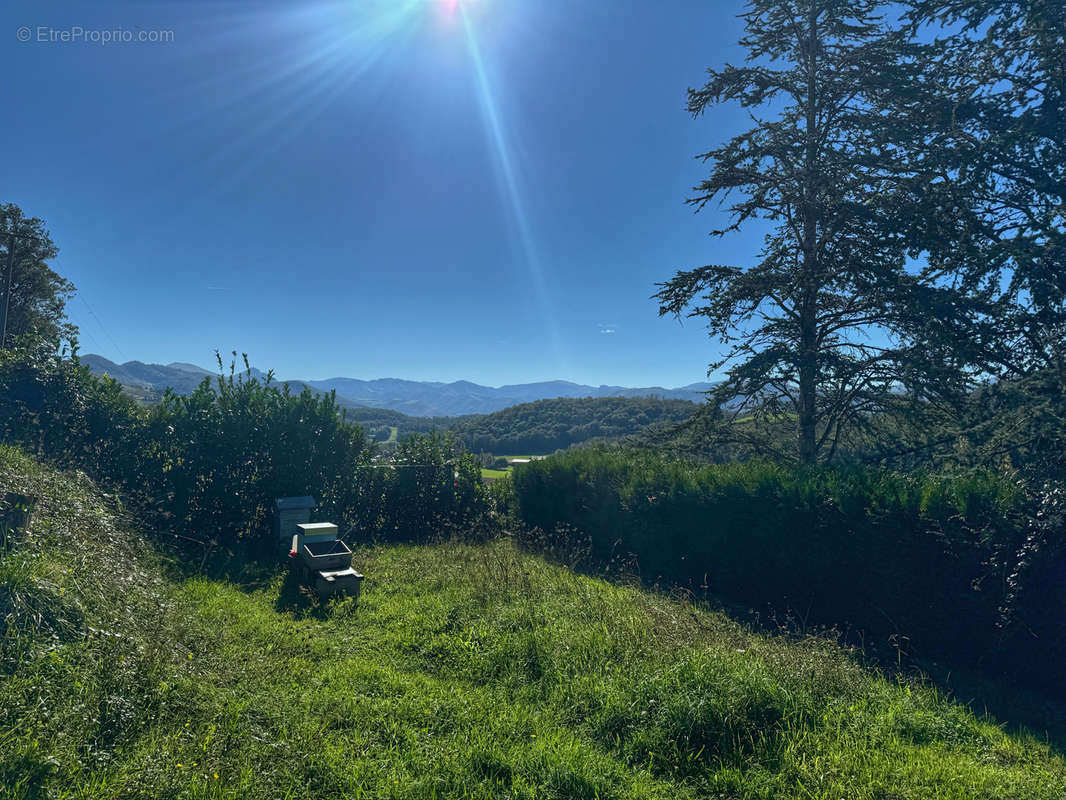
(825, 325)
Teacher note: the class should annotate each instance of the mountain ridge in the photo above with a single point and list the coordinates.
(415, 398)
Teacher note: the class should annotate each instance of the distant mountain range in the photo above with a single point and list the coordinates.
(414, 398)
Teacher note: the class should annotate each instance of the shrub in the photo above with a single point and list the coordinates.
(56, 407)
(429, 482)
(502, 496)
(213, 461)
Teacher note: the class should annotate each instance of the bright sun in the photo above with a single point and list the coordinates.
(449, 8)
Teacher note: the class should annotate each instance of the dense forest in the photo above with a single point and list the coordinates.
(379, 422)
(540, 427)
(549, 425)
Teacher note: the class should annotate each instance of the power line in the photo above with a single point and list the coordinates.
(12, 236)
(107, 333)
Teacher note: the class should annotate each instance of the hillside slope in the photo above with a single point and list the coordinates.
(462, 671)
(549, 425)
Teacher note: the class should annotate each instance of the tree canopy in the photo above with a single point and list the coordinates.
(545, 426)
(995, 212)
(36, 309)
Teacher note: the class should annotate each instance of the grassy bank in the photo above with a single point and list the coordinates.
(462, 671)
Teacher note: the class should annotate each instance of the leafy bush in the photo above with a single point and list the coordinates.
(926, 559)
(429, 482)
(1034, 611)
(223, 453)
(213, 461)
(56, 407)
(502, 496)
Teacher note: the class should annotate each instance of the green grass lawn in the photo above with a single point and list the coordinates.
(466, 671)
(495, 474)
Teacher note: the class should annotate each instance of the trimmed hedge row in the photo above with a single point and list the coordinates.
(934, 561)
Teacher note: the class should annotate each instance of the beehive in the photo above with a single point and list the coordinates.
(291, 512)
(315, 532)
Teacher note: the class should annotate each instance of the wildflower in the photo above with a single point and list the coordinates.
(216, 776)
(180, 764)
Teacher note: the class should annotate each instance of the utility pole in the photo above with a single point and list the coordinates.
(7, 288)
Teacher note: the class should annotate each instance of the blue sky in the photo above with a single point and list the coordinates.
(435, 190)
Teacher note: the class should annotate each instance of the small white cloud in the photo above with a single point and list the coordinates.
(606, 330)
(607, 327)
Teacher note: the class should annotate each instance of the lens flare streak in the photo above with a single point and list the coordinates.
(506, 171)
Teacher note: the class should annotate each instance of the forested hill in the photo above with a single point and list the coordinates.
(419, 399)
(376, 419)
(545, 426)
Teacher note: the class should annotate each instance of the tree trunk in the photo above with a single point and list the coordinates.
(808, 395)
(808, 355)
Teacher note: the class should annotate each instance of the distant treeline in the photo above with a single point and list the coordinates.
(545, 426)
(540, 427)
(380, 420)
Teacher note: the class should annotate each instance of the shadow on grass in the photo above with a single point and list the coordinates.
(250, 565)
(25, 773)
(301, 601)
(1017, 710)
